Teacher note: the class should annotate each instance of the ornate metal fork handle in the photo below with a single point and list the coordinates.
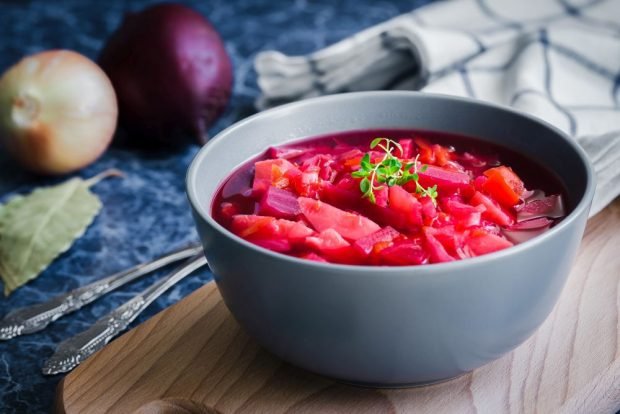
(73, 351)
(36, 317)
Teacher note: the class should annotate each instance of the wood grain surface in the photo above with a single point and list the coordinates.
(195, 351)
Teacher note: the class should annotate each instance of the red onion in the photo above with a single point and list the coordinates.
(170, 71)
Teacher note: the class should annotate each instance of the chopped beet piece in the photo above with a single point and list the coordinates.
(444, 179)
(366, 244)
(404, 253)
(340, 196)
(436, 250)
(277, 245)
(278, 203)
(406, 204)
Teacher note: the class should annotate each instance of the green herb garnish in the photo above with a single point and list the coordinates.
(390, 171)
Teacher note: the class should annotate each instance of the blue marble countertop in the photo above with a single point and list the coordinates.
(145, 214)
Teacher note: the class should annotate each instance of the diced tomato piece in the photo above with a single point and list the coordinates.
(323, 216)
(376, 249)
(403, 253)
(264, 227)
(503, 185)
(264, 170)
(436, 250)
(271, 173)
(482, 243)
(406, 204)
(493, 211)
(407, 145)
(425, 151)
(308, 183)
(278, 203)
(351, 159)
(445, 180)
(246, 225)
(366, 244)
(442, 155)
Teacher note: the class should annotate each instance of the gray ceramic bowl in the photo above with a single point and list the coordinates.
(391, 326)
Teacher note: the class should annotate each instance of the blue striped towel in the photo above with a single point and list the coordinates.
(556, 59)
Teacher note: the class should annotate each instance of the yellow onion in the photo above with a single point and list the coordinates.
(58, 111)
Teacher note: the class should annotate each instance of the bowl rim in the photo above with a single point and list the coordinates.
(205, 214)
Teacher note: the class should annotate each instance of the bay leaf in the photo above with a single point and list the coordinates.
(38, 227)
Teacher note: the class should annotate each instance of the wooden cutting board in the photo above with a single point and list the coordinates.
(195, 350)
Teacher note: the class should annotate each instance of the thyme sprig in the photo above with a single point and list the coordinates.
(390, 171)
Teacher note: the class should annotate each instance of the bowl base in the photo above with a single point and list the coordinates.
(397, 386)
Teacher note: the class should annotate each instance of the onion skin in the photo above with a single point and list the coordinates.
(58, 111)
(171, 73)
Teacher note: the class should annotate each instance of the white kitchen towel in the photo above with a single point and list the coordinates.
(556, 59)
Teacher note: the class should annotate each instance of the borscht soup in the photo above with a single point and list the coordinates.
(389, 198)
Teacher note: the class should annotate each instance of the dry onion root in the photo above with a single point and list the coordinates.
(58, 111)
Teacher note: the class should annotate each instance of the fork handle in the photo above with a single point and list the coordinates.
(71, 352)
(36, 317)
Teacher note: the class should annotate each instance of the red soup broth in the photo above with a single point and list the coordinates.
(434, 198)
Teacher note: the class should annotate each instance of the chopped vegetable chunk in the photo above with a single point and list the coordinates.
(323, 216)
